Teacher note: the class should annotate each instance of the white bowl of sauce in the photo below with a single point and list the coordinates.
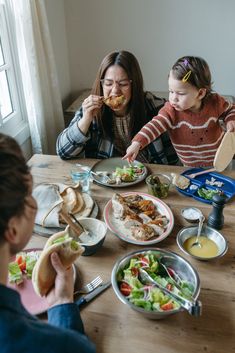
(213, 243)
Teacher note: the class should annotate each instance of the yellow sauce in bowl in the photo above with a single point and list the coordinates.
(208, 247)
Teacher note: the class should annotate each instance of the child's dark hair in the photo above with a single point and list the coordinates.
(14, 186)
(200, 75)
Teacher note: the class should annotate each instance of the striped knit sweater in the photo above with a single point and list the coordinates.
(195, 136)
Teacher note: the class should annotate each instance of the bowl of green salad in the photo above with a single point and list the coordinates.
(165, 267)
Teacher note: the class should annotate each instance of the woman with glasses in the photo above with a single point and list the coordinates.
(20, 331)
(101, 129)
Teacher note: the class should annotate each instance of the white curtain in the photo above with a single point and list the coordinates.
(39, 77)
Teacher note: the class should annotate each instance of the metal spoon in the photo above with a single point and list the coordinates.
(79, 224)
(194, 307)
(197, 243)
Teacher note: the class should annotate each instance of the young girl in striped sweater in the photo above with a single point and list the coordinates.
(194, 116)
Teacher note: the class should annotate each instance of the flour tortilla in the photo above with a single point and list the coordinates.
(74, 202)
(79, 203)
(69, 200)
(88, 206)
(180, 181)
(225, 152)
(43, 276)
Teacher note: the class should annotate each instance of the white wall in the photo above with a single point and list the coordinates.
(56, 18)
(156, 31)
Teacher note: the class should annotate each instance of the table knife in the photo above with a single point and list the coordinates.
(88, 297)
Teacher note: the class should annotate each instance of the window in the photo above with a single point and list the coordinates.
(12, 108)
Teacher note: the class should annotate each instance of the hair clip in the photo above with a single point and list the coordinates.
(186, 76)
(185, 62)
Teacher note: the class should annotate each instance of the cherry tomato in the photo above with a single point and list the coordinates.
(125, 289)
(134, 271)
(21, 262)
(167, 306)
(169, 286)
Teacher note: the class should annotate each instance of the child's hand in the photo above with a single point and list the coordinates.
(132, 151)
(231, 126)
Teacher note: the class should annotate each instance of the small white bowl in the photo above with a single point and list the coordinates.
(94, 240)
(191, 214)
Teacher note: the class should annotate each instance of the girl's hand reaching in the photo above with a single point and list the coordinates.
(132, 151)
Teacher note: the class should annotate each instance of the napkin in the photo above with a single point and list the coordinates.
(225, 152)
(50, 202)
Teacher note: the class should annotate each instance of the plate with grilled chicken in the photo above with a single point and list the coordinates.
(138, 218)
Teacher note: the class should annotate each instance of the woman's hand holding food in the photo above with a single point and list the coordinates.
(91, 105)
(132, 151)
(62, 292)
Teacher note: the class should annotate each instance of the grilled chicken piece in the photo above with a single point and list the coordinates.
(160, 221)
(142, 232)
(145, 218)
(120, 208)
(158, 230)
(114, 102)
(132, 220)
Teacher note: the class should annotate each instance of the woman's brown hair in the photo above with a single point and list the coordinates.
(197, 71)
(129, 63)
(14, 186)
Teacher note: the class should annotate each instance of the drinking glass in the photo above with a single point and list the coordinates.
(81, 174)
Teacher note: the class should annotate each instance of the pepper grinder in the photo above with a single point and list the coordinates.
(216, 217)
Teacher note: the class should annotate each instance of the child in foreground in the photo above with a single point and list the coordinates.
(193, 116)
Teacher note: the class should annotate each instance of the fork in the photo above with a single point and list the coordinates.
(89, 287)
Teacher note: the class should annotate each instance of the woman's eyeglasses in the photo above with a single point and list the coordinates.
(123, 84)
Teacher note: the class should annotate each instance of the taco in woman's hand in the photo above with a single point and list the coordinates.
(43, 277)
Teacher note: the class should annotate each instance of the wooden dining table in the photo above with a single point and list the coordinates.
(113, 326)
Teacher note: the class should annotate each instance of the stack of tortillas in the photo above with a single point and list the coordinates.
(52, 198)
(76, 202)
(225, 152)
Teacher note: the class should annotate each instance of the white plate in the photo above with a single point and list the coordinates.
(49, 231)
(118, 228)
